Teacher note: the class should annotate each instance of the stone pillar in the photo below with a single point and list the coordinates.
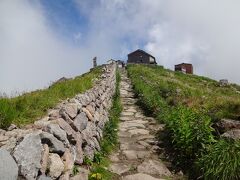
(94, 62)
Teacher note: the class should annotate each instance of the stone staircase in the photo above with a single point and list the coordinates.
(138, 154)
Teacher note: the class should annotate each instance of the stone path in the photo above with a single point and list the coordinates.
(137, 157)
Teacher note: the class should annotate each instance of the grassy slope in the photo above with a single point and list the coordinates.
(197, 92)
(26, 108)
(189, 104)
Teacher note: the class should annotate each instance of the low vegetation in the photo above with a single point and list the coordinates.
(189, 105)
(26, 108)
(109, 141)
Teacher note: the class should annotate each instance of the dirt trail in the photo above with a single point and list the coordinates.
(138, 157)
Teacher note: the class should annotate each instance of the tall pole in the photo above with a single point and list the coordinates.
(94, 62)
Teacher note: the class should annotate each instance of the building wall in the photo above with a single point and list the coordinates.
(139, 57)
(187, 67)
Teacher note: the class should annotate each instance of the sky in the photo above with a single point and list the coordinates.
(44, 40)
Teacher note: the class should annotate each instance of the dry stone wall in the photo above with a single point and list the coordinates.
(72, 131)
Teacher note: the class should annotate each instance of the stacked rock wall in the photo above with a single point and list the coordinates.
(68, 134)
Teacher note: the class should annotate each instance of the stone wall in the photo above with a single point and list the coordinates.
(50, 147)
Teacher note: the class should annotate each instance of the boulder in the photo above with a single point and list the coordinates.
(78, 149)
(42, 122)
(68, 160)
(8, 167)
(44, 160)
(58, 132)
(227, 124)
(55, 165)
(232, 134)
(91, 109)
(89, 115)
(28, 155)
(55, 146)
(71, 109)
(80, 122)
(66, 127)
(54, 114)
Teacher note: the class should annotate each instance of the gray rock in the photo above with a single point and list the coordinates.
(54, 114)
(80, 122)
(10, 144)
(12, 127)
(68, 160)
(89, 115)
(140, 176)
(28, 155)
(3, 138)
(44, 160)
(119, 168)
(68, 129)
(43, 177)
(42, 122)
(232, 134)
(55, 146)
(58, 133)
(71, 110)
(65, 176)
(89, 151)
(138, 132)
(83, 174)
(77, 149)
(91, 109)
(8, 167)
(227, 124)
(56, 165)
(153, 167)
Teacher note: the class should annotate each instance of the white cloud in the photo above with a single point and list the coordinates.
(205, 33)
(31, 55)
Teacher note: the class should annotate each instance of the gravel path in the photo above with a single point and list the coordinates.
(137, 157)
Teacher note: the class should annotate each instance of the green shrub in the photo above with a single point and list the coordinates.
(221, 161)
(191, 131)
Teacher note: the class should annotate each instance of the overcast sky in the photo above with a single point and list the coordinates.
(43, 40)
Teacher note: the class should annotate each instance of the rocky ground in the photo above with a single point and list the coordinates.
(138, 156)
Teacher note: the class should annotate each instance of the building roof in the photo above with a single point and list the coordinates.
(139, 50)
(183, 64)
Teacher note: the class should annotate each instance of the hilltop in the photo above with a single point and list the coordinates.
(201, 117)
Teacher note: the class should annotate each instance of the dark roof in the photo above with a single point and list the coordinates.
(183, 64)
(139, 50)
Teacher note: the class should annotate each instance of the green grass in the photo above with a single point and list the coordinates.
(189, 105)
(28, 107)
(222, 161)
(109, 140)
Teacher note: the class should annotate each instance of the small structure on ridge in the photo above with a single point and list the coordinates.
(223, 82)
(94, 62)
(185, 68)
